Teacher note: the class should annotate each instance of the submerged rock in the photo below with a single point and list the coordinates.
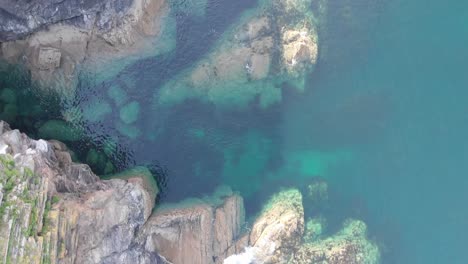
(272, 44)
(349, 246)
(60, 130)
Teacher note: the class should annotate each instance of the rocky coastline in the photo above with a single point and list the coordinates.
(57, 211)
(58, 41)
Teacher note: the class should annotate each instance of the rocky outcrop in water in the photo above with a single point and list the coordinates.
(271, 45)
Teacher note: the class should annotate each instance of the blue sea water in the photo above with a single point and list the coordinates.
(383, 120)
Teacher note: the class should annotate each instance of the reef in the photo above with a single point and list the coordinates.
(56, 211)
(272, 45)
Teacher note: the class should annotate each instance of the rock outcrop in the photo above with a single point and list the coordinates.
(278, 236)
(55, 211)
(55, 39)
(273, 44)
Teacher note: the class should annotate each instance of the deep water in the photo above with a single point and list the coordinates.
(384, 120)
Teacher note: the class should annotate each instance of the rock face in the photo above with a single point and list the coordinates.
(273, 44)
(54, 39)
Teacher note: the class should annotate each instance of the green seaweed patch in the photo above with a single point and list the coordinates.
(59, 130)
(129, 113)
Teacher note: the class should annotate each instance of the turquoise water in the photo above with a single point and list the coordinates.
(383, 120)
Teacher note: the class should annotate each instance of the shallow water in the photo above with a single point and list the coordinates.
(384, 120)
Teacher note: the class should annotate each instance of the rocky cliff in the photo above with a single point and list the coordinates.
(56, 211)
